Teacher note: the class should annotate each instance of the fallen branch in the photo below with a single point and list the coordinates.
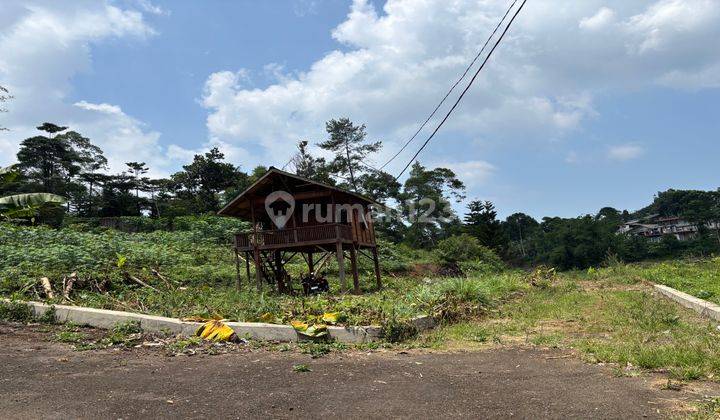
(138, 281)
(161, 277)
(47, 287)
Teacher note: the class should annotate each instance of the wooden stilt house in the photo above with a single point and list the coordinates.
(292, 215)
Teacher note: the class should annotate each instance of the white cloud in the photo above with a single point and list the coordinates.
(602, 18)
(540, 84)
(473, 172)
(151, 8)
(44, 45)
(234, 154)
(104, 108)
(122, 137)
(625, 152)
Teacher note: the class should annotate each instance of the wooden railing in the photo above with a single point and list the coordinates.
(294, 236)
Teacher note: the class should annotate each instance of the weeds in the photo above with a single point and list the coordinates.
(125, 333)
(70, 337)
(48, 317)
(15, 311)
(626, 327)
(301, 368)
(180, 345)
(317, 350)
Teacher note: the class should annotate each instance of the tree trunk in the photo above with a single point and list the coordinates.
(349, 163)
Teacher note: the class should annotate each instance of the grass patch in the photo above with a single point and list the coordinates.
(301, 368)
(72, 337)
(125, 333)
(700, 278)
(180, 345)
(607, 322)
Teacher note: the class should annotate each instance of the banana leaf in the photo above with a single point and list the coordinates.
(31, 200)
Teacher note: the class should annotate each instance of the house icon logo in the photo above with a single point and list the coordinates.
(279, 205)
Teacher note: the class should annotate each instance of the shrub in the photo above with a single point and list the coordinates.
(15, 311)
(395, 330)
(466, 250)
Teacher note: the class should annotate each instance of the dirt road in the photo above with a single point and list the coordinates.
(41, 378)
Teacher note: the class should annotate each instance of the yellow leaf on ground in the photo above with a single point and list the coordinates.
(330, 317)
(299, 326)
(216, 331)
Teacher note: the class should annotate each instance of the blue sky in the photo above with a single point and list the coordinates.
(585, 104)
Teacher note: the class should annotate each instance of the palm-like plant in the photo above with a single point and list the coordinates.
(23, 205)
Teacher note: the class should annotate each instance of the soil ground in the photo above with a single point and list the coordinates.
(40, 378)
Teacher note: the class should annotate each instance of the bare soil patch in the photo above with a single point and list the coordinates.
(40, 378)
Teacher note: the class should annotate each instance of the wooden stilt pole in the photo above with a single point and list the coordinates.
(341, 265)
(311, 263)
(354, 267)
(376, 263)
(277, 256)
(247, 267)
(237, 269)
(258, 269)
(256, 249)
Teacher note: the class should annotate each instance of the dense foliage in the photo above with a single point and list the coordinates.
(198, 276)
(591, 240)
(62, 161)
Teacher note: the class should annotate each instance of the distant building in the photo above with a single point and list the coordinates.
(654, 227)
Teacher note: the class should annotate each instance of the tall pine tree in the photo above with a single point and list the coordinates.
(481, 222)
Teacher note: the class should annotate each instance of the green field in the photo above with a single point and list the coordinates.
(199, 265)
(606, 314)
(700, 278)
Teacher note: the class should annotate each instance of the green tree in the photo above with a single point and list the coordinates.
(572, 243)
(379, 185)
(351, 148)
(54, 160)
(310, 167)
(117, 196)
(518, 227)
(201, 182)
(481, 222)
(425, 203)
(137, 169)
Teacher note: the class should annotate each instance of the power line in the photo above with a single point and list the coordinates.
(467, 69)
(465, 90)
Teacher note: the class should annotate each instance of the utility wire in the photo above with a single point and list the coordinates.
(467, 69)
(464, 91)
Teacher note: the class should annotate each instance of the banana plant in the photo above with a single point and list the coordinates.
(23, 205)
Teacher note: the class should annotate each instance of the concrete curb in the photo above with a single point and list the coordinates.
(107, 319)
(700, 306)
